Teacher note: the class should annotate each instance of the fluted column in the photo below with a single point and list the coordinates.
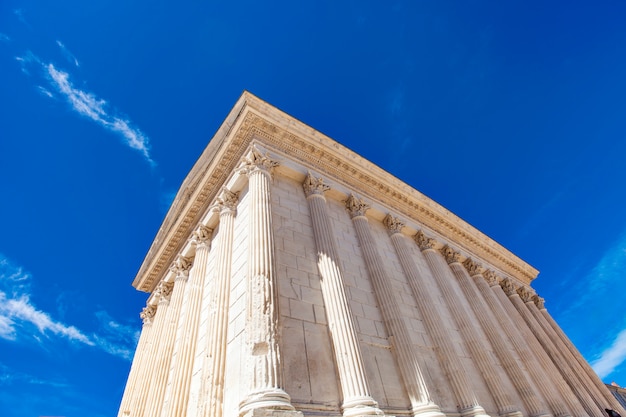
(615, 405)
(444, 347)
(408, 361)
(582, 395)
(553, 376)
(477, 346)
(357, 400)
(162, 292)
(215, 359)
(492, 329)
(154, 405)
(186, 343)
(147, 315)
(585, 381)
(265, 368)
(541, 381)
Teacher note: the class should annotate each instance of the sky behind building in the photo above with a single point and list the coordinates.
(509, 114)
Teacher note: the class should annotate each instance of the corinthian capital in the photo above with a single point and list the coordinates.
(256, 161)
(540, 302)
(472, 267)
(525, 294)
(356, 206)
(164, 291)
(147, 314)
(314, 185)
(450, 255)
(202, 235)
(424, 242)
(490, 277)
(393, 224)
(508, 287)
(181, 267)
(226, 201)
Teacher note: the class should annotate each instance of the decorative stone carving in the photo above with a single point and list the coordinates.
(356, 206)
(539, 302)
(508, 287)
(424, 242)
(450, 255)
(202, 235)
(525, 294)
(314, 185)
(147, 314)
(491, 277)
(256, 161)
(181, 267)
(472, 267)
(393, 224)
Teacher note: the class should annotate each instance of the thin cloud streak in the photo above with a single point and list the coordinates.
(67, 54)
(90, 106)
(612, 357)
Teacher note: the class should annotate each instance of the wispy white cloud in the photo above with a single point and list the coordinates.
(67, 54)
(19, 13)
(612, 357)
(94, 108)
(19, 316)
(45, 91)
(9, 376)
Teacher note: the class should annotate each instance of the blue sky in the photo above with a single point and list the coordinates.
(510, 114)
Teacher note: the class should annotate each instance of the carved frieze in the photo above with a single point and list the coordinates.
(393, 224)
(356, 206)
(450, 255)
(424, 242)
(314, 185)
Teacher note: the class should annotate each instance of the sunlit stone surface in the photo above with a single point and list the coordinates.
(291, 277)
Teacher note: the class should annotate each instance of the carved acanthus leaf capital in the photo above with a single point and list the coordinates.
(356, 206)
(525, 294)
(508, 286)
(474, 268)
(256, 161)
(202, 235)
(226, 201)
(164, 291)
(450, 255)
(393, 224)
(540, 302)
(490, 277)
(181, 267)
(424, 242)
(147, 314)
(314, 185)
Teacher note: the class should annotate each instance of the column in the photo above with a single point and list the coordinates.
(265, 371)
(552, 375)
(147, 315)
(219, 300)
(357, 400)
(519, 344)
(476, 344)
(444, 347)
(185, 347)
(162, 294)
(154, 406)
(615, 405)
(587, 402)
(408, 361)
(566, 354)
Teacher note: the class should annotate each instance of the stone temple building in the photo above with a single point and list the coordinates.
(291, 277)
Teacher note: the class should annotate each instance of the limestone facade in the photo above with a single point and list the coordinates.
(292, 277)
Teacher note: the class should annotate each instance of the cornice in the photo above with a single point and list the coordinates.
(253, 119)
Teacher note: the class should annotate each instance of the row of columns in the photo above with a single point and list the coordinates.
(502, 318)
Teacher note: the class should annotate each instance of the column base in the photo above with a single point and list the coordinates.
(427, 410)
(273, 402)
(473, 411)
(361, 406)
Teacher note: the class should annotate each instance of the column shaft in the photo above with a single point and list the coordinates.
(396, 326)
(176, 404)
(519, 344)
(357, 400)
(219, 300)
(466, 400)
(476, 345)
(266, 390)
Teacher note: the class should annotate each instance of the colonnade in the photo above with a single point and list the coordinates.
(510, 336)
